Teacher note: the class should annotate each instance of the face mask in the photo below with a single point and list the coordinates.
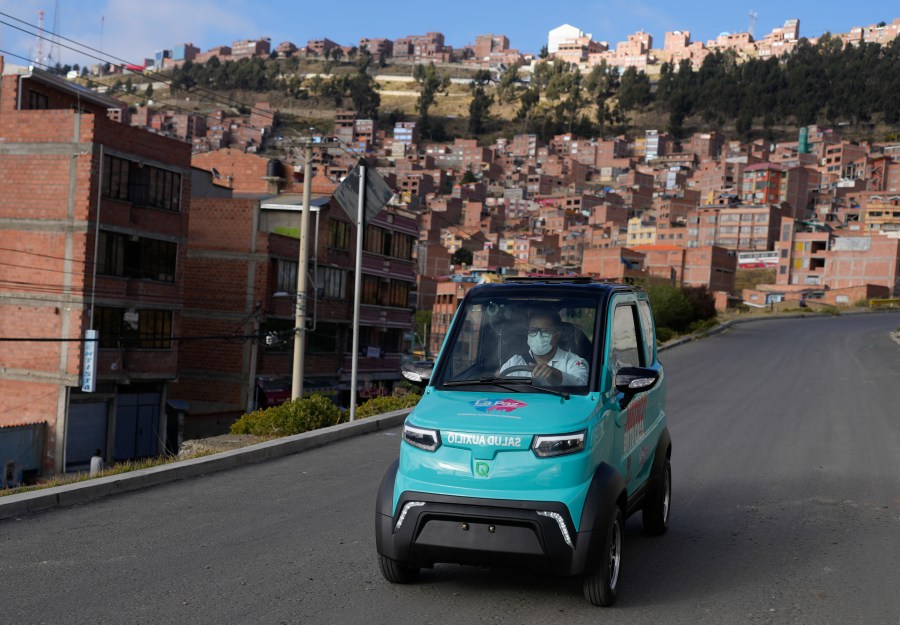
(540, 345)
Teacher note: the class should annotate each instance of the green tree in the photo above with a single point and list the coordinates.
(671, 307)
(430, 84)
(634, 90)
(507, 86)
(479, 107)
(462, 256)
(363, 91)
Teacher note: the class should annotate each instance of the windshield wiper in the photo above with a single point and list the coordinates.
(502, 382)
(490, 381)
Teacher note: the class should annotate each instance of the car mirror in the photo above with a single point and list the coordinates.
(634, 380)
(418, 373)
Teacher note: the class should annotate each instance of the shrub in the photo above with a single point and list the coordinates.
(293, 417)
(702, 325)
(379, 405)
(671, 308)
(664, 334)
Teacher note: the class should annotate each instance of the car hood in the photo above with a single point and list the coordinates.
(502, 413)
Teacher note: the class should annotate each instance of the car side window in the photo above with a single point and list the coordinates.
(625, 352)
(647, 328)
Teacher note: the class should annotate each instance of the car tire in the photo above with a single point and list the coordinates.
(602, 586)
(658, 503)
(396, 573)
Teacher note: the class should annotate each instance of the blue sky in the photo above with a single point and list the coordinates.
(133, 30)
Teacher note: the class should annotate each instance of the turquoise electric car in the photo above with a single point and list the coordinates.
(541, 428)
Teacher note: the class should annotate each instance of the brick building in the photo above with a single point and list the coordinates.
(449, 295)
(252, 264)
(95, 217)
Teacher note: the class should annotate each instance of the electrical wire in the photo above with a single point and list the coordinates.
(160, 77)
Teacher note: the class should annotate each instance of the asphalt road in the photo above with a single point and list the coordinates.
(786, 509)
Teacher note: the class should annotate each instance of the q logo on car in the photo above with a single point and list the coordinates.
(482, 469)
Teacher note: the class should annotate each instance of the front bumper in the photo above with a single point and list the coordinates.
(495, 532)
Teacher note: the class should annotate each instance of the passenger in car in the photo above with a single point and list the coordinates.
(549, 363)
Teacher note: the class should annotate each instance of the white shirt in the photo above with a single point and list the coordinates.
(574, 368)
(96, 464)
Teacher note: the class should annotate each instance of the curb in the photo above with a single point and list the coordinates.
(72, 494)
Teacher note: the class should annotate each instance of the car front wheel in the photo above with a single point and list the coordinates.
(396, 573)
(602, 586)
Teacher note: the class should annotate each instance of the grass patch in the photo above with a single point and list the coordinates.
(116, 469)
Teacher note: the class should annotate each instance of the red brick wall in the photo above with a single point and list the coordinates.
(246, 170)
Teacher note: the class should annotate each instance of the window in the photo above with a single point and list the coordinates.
(115, 178)
(339, 234)
(283, 328)
(136, 257)
(324, 340)
(373, 242)
(391, 340)
(624, 352)
(403, 244)
(38, 101)
(399, 295)
(369, 290)
(144, 185)
(287, 276)
(134, 329)
(333, 282)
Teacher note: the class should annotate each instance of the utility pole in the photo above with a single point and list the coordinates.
(360, 224)
(300, 318)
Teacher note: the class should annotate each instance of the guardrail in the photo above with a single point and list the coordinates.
(884, 303)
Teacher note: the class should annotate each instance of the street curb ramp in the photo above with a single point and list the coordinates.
(13, 506)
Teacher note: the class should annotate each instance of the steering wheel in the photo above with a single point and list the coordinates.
(514, 369)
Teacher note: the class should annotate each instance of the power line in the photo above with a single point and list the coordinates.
(213, 337)
(110, 90)
(160, 77)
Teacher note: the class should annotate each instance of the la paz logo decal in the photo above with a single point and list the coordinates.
(499, 405)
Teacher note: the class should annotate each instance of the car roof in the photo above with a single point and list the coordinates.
(574, 285)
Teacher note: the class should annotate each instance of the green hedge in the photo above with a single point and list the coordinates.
(380, 405)
(292, 417)
(311, 413)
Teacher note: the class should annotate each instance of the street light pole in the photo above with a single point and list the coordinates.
(300, 316)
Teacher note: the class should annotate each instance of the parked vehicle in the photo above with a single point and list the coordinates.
(541, 428)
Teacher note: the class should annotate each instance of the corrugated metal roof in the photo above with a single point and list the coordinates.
(21, 425)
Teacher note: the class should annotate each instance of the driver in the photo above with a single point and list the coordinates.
(550, 363)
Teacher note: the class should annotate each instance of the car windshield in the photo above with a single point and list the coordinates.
(511, 343)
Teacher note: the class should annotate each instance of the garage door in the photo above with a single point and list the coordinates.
(86, 428)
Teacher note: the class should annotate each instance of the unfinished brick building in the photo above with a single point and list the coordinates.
(93, 220)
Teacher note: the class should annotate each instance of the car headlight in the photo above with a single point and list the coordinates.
(558, 444)
(429, 440)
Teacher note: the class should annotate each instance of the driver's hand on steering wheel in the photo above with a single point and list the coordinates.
(547, 374)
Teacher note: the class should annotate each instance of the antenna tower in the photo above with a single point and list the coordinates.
(55, 55)
(39, 43)
(752, 27)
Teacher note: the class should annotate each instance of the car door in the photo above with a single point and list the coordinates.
(626, 350)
